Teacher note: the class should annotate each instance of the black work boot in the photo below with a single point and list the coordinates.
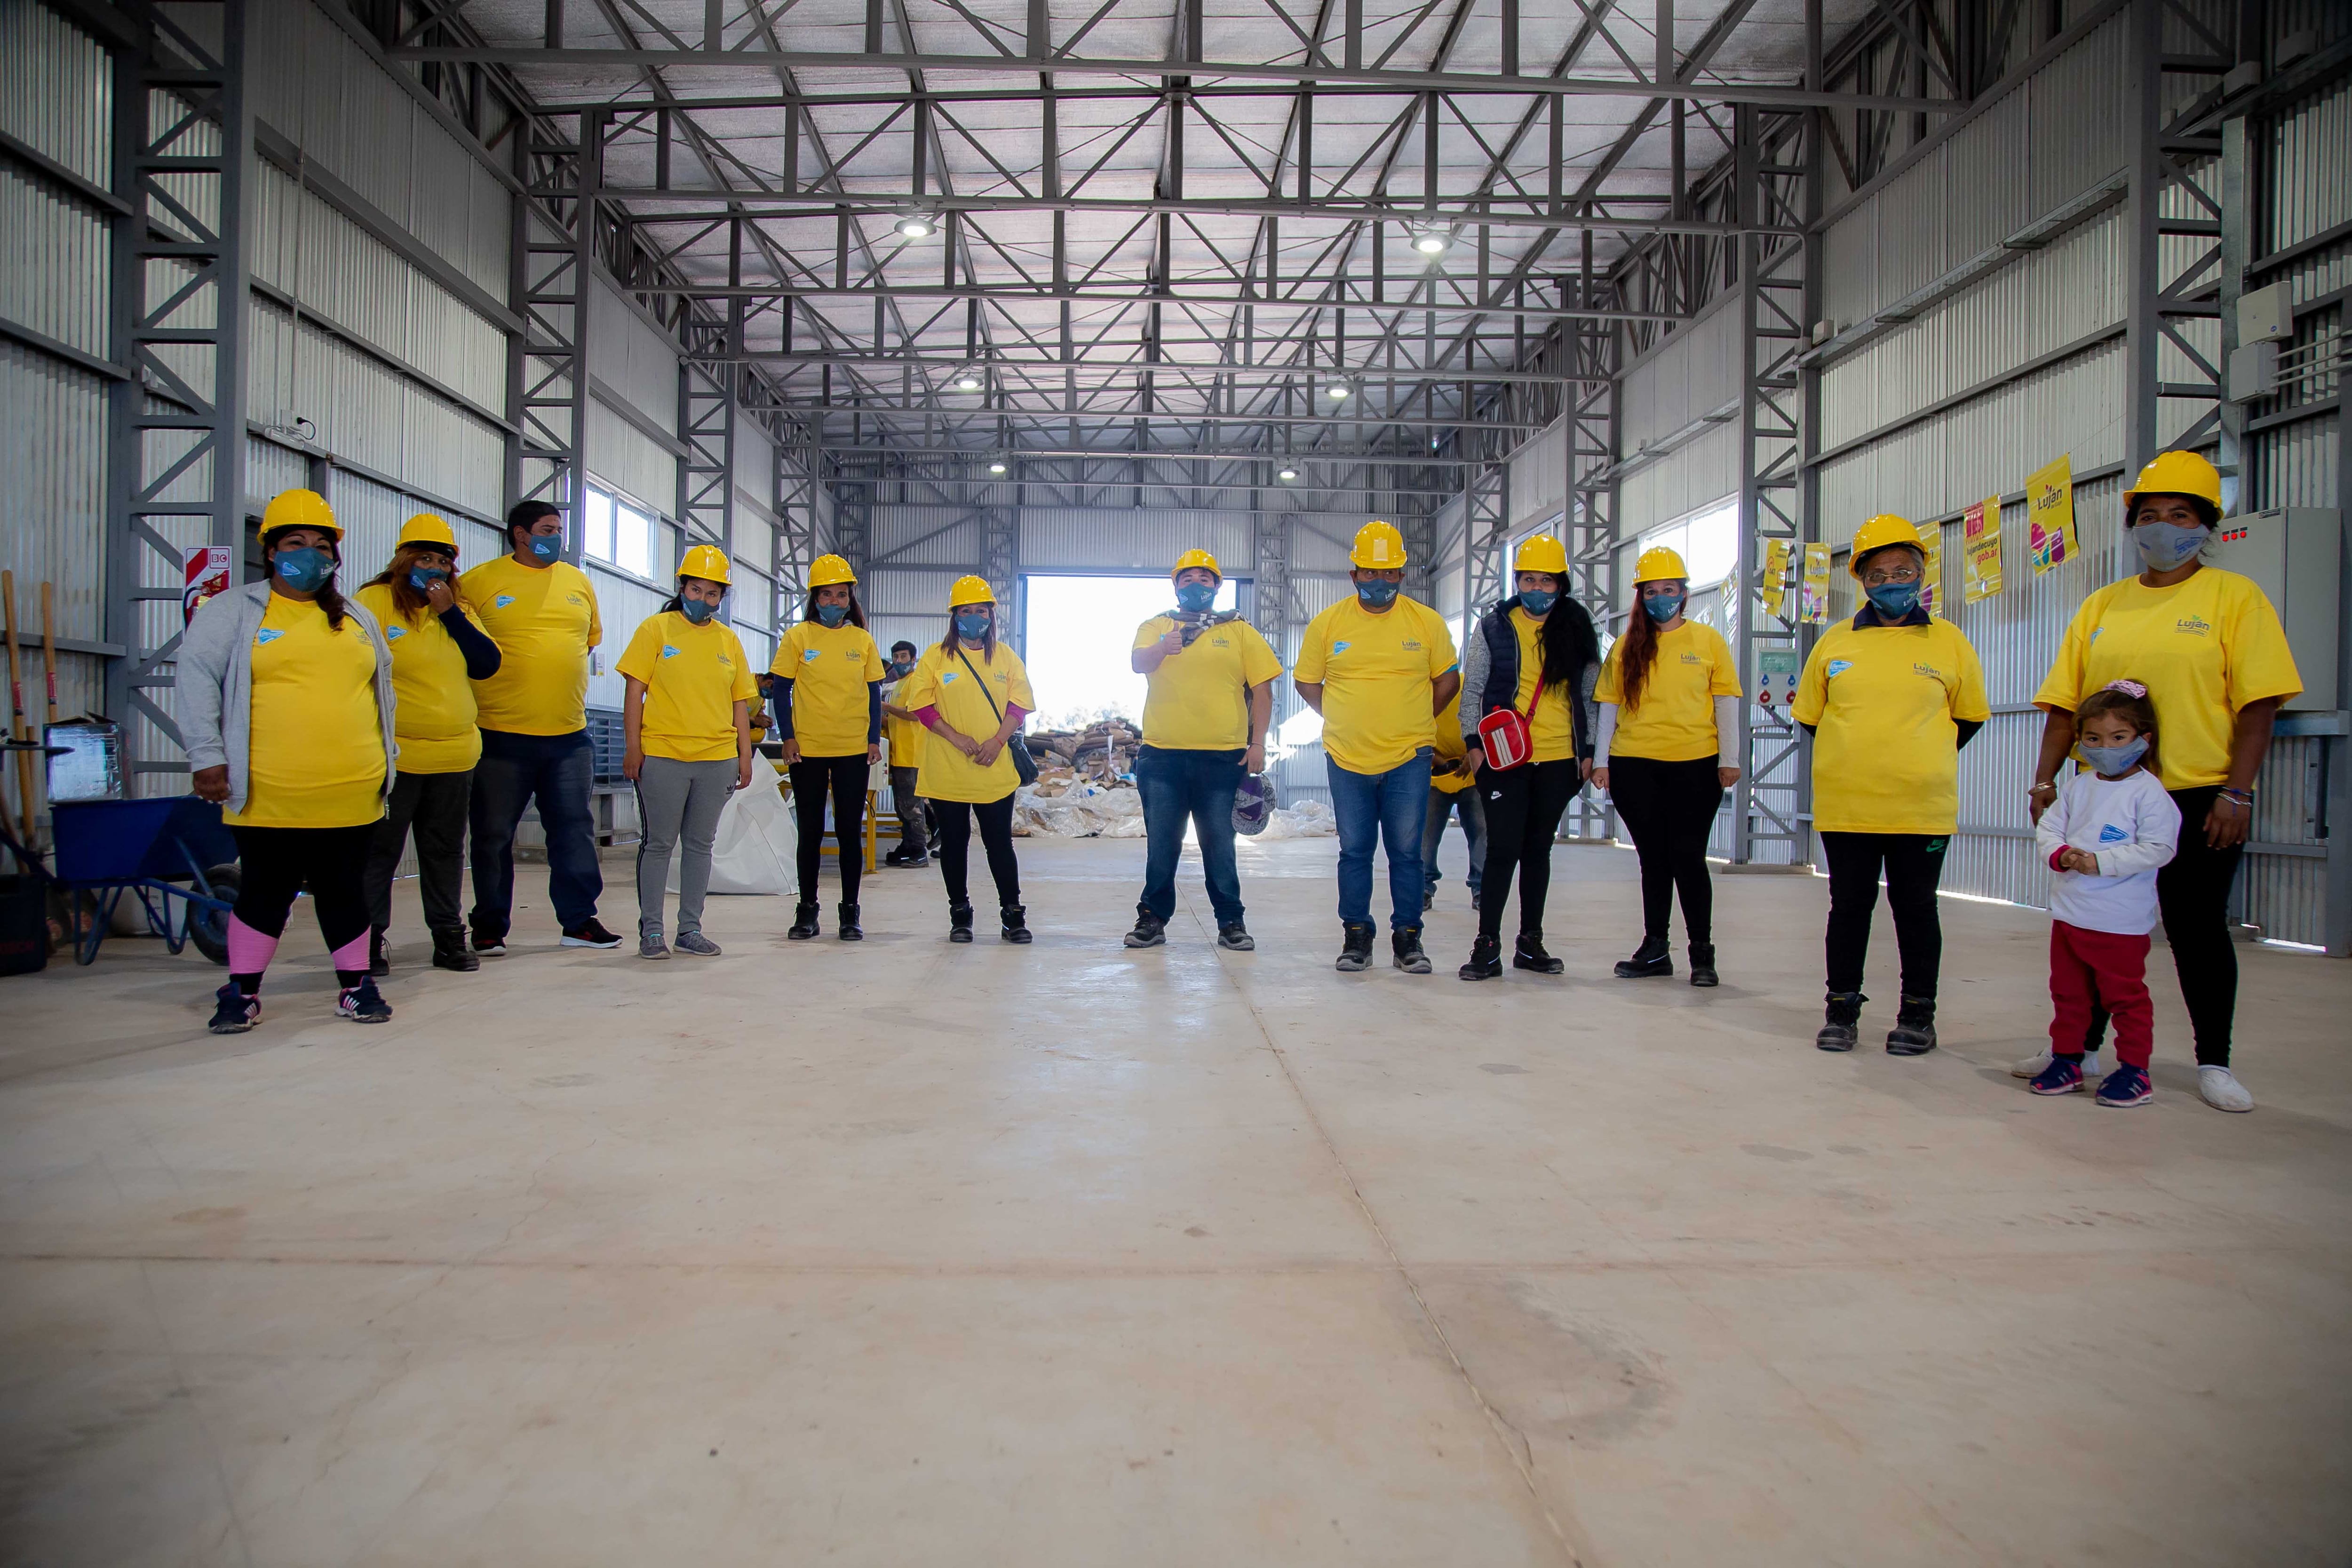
(1702, 957)
(803, 924)
(1356, 949)
(1486, 959)
(850, 929)
(450, 952)
(379, 961)
(1405, 946)
(1649, 961)
(1528, 952)
(1016, 923)
(1913, 1033)
(1236, 938)
(1149, 931)
(1840, 1022)
(958, 922)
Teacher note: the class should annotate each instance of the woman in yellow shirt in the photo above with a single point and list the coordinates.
(971, 693)
(2209, 649)
(827, 685)
(1667, 749)
(686, 714)
(286, 708)
(438, 652)
(1889, 701)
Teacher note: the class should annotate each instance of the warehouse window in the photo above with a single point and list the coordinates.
(613, 531)
(1080, 630)
(1707, 540)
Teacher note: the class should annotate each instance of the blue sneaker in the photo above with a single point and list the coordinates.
(2062, 1076)
(2126, 1086)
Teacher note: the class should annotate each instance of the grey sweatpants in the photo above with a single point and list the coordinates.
(677, 801)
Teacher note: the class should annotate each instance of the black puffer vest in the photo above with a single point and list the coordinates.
(1503, 664)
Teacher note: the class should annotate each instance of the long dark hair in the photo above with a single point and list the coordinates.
(1640, 644)
(1567, 641)
(953, 643)
(328, 597)
(856, 612)
(404, 596)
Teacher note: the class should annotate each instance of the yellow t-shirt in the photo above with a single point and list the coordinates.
(1450, 749)
(1551, 732)
(941, 680)
(830, 668)
(544, 621)
(907, 737)
(433, 701)
(1886, 758)
(1198, 700)
(694, 676)
(2204, 648)
(316, 755)
(1675, 721)
(1377, 674)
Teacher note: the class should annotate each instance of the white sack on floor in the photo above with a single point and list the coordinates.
(753, 850)
(1087, 811)
(1308, 819)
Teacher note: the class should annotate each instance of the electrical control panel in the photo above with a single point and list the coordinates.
(2295, 555)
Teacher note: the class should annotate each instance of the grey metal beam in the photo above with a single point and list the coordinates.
(1178, 292)
(1312, 375)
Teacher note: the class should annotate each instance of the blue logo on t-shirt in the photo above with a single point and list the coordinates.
(502, 601)
(394, 634)
(269, 634)
(2111, 834)
(669, 652)
(1338, 647)
(947, 678)
(809, 655)
(1838, 667)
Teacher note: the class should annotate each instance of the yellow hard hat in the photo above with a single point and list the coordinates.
(828, 570)
(426, 529)
(2177, 474)
(1659, 564)
(1379, 548)
(1201, 558)
(971, 591)
(1877, 534)
(707, 562)
(301, 508)
(1542, 553)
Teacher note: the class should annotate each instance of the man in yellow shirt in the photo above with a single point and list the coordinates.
(1379, 669)
(1211, 695)
(541, 612)
(904, 733)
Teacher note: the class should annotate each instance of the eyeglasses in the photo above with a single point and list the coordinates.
(1879, 576)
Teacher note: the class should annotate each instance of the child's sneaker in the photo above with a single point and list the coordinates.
(234, 1012)
(2062, 1076)
(363, 1004)
(2127, 1085)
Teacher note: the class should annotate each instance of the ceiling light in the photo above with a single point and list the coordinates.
(1289, 474)
(1337, 391)
(997, 466)
(968, 382)
(1432, 242)
(916, 226)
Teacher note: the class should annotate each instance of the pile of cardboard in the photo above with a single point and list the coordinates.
(1103, 752)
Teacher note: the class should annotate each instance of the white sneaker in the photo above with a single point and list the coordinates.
(2222, 1091)
(2034, 1066)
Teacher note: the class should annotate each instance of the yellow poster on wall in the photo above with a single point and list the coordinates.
(1981, 547)
(1775, 587)
(1931, 573)
(2050, 514)
(1814, 601)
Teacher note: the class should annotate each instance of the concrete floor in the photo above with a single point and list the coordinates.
(910, 1253)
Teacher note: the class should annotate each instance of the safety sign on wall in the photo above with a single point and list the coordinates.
(204, 570)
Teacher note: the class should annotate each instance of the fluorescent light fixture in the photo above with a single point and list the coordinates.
(1287, 474)
(916, 226)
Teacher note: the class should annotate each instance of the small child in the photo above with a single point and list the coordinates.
(2106, 835)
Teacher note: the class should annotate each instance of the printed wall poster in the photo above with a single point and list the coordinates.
(1814, 602)
(1980, 530)
(1931, 576)
(2050, 514)
(1775, 587)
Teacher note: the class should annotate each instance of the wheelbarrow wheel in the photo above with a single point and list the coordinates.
(208, 927)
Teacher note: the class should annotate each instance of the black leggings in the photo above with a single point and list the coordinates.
(2193, 892)
(955, 819)
(1669, 808)
(1914, 864)
(845, 779)
(273, 863)
(1524, 806)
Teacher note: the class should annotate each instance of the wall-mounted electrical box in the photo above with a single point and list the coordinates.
(2295, 555)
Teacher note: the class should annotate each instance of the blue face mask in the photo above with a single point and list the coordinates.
(547, 546)
(304, 570)
(1376, 595)
(902, 668)
(422, 578)
(2165, 545)
(1538, 601)
(832, 614)
(1664, 607)
(697, 611)
(2115, 760)
(972, 628)
(1196, 596)
(1894, 600)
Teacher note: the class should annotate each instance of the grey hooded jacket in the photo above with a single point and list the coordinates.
(215, 681)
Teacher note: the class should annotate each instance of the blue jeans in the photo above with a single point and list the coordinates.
(1200, 785)
(1386, 808)
(1443, 805)
(558, 770)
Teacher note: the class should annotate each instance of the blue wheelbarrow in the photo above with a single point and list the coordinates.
(174, 848)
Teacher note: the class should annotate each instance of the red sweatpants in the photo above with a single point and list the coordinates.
(2087, 966)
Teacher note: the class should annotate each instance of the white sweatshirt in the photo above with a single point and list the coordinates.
(2132, 827)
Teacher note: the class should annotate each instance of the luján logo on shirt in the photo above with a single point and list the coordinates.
(1929, 670)
(2193, 625)
(1411, 645)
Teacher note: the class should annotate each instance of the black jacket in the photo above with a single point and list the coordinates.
(1490, 669)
